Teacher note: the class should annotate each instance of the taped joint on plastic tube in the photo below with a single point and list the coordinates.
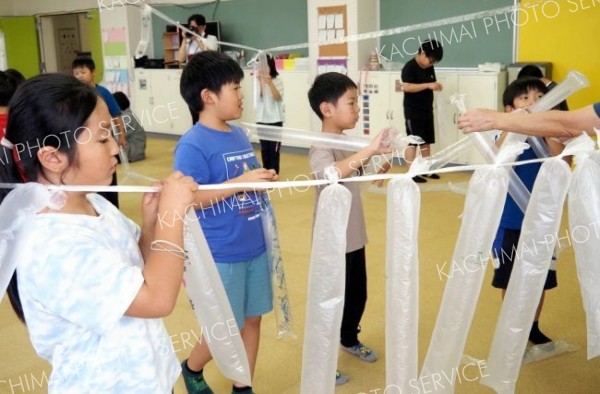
(331, 174)
(582, 144)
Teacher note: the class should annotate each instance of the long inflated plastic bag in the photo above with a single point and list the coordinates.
(584, 226)
(483, 208)
(210, 304)
(18, 206)
(402, 284)
(325, 298)
(530, 269)
(281, 301)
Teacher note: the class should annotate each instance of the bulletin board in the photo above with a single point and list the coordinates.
(116, 66)
(332, 24)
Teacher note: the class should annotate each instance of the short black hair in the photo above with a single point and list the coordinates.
(83, 60)
(328, 88)
(530, 70)
(520, 86)
(15, 75)
(433, 50)
(207, 70)
(272, 68)
(122, 100)
(7, 88)
(198, 18)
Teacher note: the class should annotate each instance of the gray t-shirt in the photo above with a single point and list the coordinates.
(320, 158)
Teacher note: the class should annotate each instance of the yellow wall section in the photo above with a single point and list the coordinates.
(21, 44)
(566, 33)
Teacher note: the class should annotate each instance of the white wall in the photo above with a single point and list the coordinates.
(6, 8)
(32, 7)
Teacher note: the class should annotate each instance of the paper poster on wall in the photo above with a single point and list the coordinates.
(116, 61)
(325, 65)
(331, 26)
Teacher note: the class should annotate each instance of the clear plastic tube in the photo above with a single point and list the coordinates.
(334, 141)
(517, 190)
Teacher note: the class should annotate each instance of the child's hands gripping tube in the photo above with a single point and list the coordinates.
(176, 196)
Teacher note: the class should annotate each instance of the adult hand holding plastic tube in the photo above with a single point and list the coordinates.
(484, 119)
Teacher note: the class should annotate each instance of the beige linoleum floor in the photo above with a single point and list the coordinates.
(279, 364)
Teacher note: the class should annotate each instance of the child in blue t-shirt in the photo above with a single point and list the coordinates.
(520, 94)
(215, 152)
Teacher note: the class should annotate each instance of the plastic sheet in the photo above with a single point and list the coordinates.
(283, 313)
(531, 264)
(402, 284)
(210, 304)
(547, 350)
(517, 190)
(18, 206)
(483, 209)
(584, 223)
(146, 25)
(325, 296)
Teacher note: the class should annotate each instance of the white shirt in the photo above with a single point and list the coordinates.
(210, 42)
(269, 110)
(77, 275)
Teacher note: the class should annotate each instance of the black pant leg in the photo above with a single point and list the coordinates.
(270, 151)
(355, 296)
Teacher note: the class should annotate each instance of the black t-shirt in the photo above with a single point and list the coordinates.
(418, 104)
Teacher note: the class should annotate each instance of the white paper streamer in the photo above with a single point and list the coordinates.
(528, 276)
(584, 223)
(483, 208)
(325, 298)
(210, 304)
(402, 284)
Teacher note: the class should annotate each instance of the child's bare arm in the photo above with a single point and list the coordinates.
(163, 270)
(352, 164)
(206, 198)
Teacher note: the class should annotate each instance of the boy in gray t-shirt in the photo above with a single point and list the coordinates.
(334, 98)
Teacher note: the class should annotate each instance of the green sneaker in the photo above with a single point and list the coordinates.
(194, 382)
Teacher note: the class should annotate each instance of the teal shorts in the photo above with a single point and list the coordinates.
(248, 287)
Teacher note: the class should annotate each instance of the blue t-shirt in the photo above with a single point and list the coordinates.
(512, 216)
(233, 227)
(597, 109)
(113, 106)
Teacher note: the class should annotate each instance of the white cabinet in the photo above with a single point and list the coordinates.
(482, 90)
(159, 106)
(381, 103)
(158, 103)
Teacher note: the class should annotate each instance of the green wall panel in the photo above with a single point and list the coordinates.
(257, 23)
(20, 36)
(465, 44)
